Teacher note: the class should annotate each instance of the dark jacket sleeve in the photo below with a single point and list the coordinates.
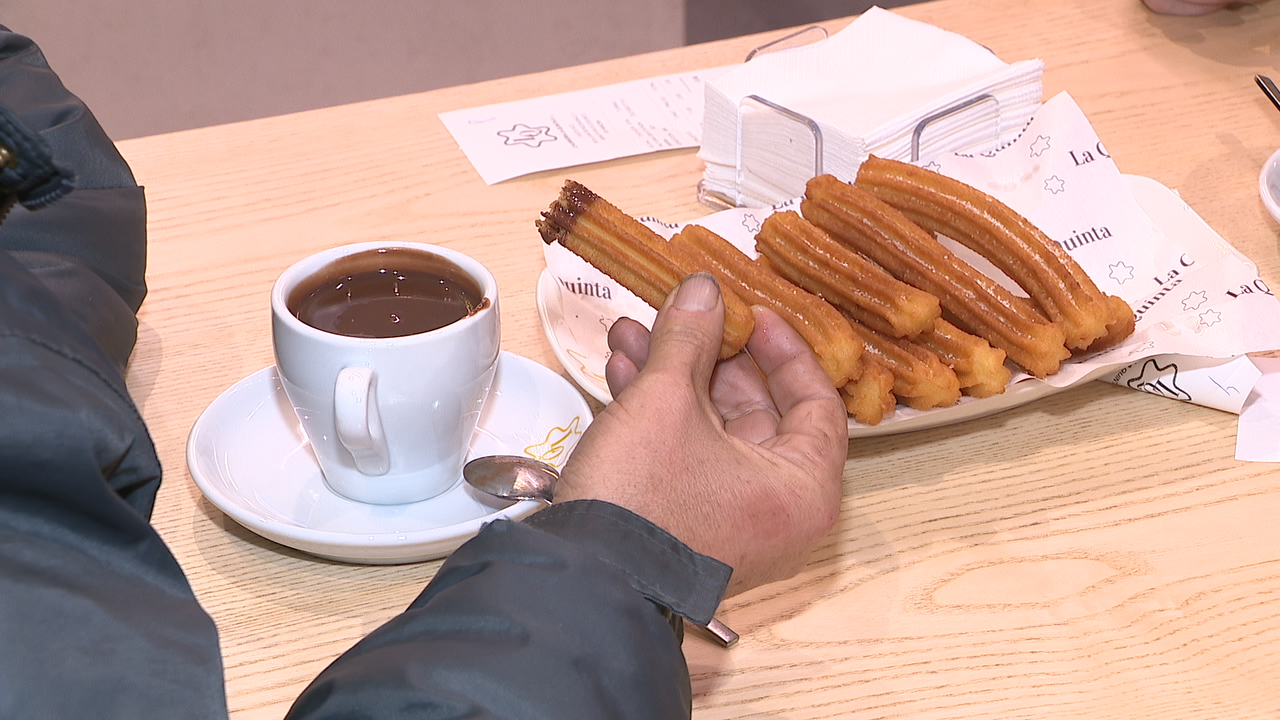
(89, 247)
(96, 617)
(558, 618)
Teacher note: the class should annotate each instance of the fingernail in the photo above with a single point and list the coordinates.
(699, 291)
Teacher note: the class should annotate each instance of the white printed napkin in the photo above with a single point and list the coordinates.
(507, 140)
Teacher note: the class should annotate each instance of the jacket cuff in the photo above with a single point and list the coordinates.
(656, 564)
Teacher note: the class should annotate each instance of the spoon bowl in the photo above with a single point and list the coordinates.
(512, 477)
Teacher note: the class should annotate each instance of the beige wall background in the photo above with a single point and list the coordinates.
(153, 66)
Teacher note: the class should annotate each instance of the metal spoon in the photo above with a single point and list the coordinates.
(1269, 87)
(514, 477)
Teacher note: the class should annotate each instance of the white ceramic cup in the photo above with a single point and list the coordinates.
(389, 419)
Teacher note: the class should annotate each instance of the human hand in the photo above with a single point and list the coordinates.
(741, 464)
(1187, 7)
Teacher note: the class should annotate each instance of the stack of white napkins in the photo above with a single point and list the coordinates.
(864, 91)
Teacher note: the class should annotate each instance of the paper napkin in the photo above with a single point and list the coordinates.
(507, 140)
(771, 124)
(1258, 432)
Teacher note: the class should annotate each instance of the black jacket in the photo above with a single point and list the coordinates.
(563, 616)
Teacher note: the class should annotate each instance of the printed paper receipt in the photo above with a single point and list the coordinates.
(508, 140)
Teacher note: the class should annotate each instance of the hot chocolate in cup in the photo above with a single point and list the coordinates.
(387, 352)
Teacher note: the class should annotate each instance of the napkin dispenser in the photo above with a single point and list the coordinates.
(884, 85)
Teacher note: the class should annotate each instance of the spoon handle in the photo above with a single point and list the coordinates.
(1269, 87)
(716, 632)
(723, 633)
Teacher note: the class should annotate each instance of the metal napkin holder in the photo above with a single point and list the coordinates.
(719, 201)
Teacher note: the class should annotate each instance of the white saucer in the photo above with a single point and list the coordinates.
(587, 368)
(249, 456)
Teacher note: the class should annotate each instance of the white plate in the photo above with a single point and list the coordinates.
(1155, 199)
(248, 455)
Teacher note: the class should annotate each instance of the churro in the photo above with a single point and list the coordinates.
(870, 398)
(1122, 326)
(972, 300)
(1051, 277)
(810, 258)
(636, 257)
(827, 332)
(979, 367)
(920, 379)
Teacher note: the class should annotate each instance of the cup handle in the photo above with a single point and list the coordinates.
(355, 412)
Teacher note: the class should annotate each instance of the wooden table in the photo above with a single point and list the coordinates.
(1097, 554)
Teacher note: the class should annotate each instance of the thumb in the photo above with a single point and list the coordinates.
(687, 333)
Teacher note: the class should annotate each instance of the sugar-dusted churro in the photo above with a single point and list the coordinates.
(635, 256)
(828, 333)
(975, 302)
(979, 367)
(1054, 280)
(920, 379)
(870, 398)
(807, 256)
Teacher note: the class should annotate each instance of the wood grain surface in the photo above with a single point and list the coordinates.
(1096, 554)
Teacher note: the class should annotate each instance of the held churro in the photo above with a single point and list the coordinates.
(636, 257)
(1054, 280)
(810, 258)
(828, 333)
(977, 303)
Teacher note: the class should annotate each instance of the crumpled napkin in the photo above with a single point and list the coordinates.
(865, 89)
(1258, 431)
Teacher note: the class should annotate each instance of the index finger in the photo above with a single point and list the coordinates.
(628, 353)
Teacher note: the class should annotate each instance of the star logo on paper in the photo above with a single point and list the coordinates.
(1194, 300)
(934, 166)
(521, 134)
(1209, 318)
(1040, 146)
(1159, 379)
(1148, 345)
(750, 222)
(1121, 272)
(1055, 185)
